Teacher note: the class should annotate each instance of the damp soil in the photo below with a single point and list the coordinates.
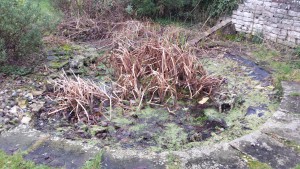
(190, 124)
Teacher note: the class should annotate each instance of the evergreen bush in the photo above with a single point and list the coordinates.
(21, 26)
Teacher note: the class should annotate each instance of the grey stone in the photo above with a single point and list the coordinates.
(111, 162)
(217, 156)
(51, 58)
(18, 139)
(77, 62)
(267, 150)
(291, 100)
(283, 125)
(62, 153)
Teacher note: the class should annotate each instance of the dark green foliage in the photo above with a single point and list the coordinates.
(14, 70)
(184, 9)
(257, 38)
(21, 26)
(297, 51)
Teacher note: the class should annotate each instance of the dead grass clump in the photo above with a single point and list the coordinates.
(150, 65)
(159, 70)
(82, 97)
(89, 19)
(83, 28)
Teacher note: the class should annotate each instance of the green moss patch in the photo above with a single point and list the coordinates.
(172, 138)
(254, 164)
(95, 163)
(16, 161)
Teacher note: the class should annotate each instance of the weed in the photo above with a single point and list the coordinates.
(295, 94)
(297, 167)
(95, 163)
(297, 51)
(173, 162)
(257, 38)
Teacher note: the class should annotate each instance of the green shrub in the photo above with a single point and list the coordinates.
(297, 51)
(197, 10)
(257, 38)
(21, 26)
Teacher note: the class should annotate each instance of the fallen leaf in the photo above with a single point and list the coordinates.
(22, 103)
(204, 100)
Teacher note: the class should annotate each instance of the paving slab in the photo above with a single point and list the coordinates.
(20, 138)
(291, 99)
(110, 161)
(57, 152)
(217, 156)
(267, 150)
(283, 125)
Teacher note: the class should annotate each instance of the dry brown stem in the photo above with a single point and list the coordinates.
(81, 96)
(160, 70)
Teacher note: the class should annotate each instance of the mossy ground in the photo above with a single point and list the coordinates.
(16, 161)
(255, 164)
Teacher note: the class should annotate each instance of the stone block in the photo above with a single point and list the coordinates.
(267, 150)
(19, 139)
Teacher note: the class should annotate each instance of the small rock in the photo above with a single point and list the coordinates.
(14, 93)
(12, 103)
(77, 62)
(37, 107)
(25, 120)
(261, 114)
(37, 93)
(104, 124)
(29, 96)
(14, 110)
(6, 120)
(250, 111)
(51, 58)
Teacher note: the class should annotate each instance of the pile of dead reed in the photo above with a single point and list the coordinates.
(150, 66)
(158, 71)
(82, 97)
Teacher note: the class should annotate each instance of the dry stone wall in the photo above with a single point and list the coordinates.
(276, 20)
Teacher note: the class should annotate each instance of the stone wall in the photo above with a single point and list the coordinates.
(276, 20)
